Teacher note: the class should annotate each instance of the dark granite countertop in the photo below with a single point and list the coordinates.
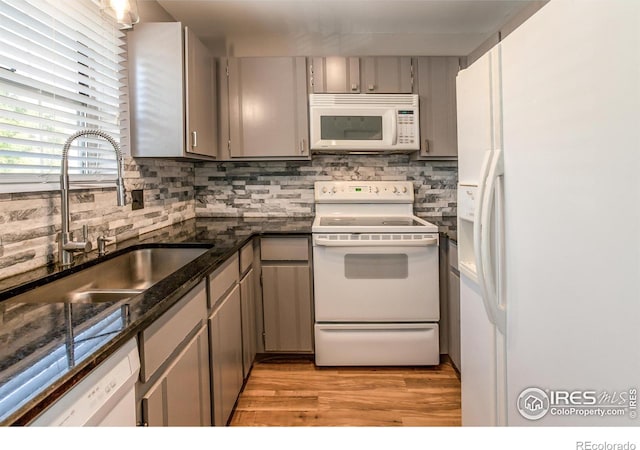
(34, 332)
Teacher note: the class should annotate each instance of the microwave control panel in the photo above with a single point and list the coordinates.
(407, 127)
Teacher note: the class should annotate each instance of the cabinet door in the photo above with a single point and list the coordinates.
(286, 295)
(454, 318)
(268, 107)
(225, 332)
(387, 75)
(200, 92)
(156, 58)
(334, 75)
(181, 397)
(154, 405)
(248, 303)
(437, 89)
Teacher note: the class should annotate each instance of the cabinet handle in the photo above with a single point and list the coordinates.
(371, 87)
(302, 147)
(354, 87)
(194, 139)
(427, 149)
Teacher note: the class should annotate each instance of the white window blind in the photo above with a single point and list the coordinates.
(62, 69)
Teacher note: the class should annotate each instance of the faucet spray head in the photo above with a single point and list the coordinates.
(121, 192)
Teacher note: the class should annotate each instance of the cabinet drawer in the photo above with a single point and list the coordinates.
(246, 257)
(453, 254)
(284, 249)
(223, 279)
(165, 335)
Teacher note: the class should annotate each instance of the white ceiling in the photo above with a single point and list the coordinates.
(317, 27)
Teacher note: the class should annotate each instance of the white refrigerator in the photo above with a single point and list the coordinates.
(549, 220)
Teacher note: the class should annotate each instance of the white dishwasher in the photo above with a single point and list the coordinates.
(106, 397)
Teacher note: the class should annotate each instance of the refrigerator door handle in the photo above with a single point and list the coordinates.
(498, 313)
(477, 232)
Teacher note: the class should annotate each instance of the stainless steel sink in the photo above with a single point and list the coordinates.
(115, 279)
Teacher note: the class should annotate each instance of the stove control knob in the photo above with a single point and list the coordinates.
(334, 190)
(324, 190)
(404, 190)
(375, 190)
(395, 189)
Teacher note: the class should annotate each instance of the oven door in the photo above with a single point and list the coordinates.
(376, 278)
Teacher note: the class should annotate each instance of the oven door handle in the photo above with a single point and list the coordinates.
(423, 242)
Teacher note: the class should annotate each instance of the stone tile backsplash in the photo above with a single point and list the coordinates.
(177, 190)
(30, 222)
(285, 188)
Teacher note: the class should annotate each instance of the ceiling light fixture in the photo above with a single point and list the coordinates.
(124, 11)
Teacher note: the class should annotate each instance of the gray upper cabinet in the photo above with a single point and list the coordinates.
(334, 75)
(267, 108)
(387, 75)
(173, 103)
(436, 82)
(372, 75)
(200, 93)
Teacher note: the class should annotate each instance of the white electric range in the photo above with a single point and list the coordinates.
(376, 276)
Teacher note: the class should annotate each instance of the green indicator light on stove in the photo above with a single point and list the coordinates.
(358, 189)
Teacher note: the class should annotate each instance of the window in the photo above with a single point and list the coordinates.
(61, 70)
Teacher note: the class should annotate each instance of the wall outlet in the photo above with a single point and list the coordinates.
(137, 199)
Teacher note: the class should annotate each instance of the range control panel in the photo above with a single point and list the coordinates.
(363, 192)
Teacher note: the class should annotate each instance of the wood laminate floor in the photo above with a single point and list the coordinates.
(290, 392)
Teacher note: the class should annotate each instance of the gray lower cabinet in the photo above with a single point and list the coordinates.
(454, 305)
(286, 295)
(174, 386)
(443, 278)
(181, 396)
(248, 308)
(225, 334)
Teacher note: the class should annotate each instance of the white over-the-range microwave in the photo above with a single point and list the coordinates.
(364, 122)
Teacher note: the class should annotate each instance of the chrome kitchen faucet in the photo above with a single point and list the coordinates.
(66, 245)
